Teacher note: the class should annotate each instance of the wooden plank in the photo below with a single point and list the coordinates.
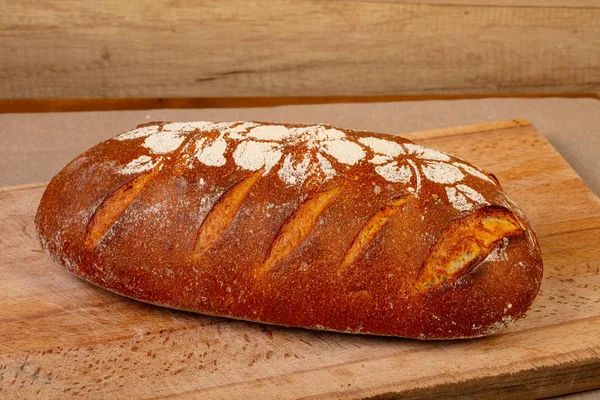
(71, 49)
(500, 3)
(64, 337)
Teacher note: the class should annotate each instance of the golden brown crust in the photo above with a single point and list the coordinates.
(295, 225)
(222, 214)
(371, 228)
(298, 226)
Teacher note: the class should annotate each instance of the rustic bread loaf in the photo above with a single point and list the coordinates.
(295, 225)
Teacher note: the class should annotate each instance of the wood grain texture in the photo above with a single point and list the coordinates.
(295, 48)
(62, 337)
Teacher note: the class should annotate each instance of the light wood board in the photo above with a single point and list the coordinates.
(61, 337)
(161, 48)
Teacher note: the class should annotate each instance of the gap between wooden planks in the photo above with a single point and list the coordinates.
(64, 105)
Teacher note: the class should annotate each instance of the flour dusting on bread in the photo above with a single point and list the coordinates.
(140, 164)
(253, 146)
(442, 173)
(164, 142)
(392, 172)
(253, 156)
(211, 154)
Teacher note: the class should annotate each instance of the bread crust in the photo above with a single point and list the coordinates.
(296, 225)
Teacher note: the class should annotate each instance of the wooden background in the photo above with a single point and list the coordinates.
(192, 48)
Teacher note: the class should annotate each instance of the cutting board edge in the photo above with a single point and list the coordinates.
(546, 381)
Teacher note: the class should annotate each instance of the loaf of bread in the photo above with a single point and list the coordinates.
(296, 225)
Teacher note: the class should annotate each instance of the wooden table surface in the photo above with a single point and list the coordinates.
(60, 121)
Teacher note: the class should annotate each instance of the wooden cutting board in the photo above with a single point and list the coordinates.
(61, 337)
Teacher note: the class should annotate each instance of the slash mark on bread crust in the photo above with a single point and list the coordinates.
(370, 229)
(114, 206)
(219, 219)
(464, 244)
(298, 226)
